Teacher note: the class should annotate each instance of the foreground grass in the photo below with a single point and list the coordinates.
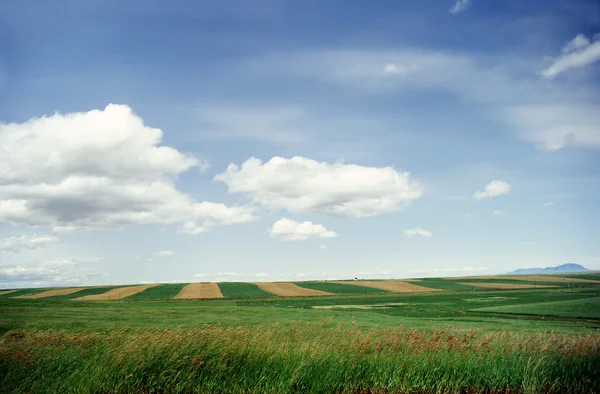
(300, 358)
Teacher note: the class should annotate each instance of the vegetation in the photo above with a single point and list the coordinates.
(84, 293)
(586, 308)
(339, 288)
(520, 341)
(442, 284)
(242, 290)
(162, 292)
(300, 358)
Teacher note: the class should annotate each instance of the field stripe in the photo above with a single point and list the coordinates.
(289, 289)
(115, 294)
(52, 293)
(396, 286)
(2, 292)
(531, 278)
(500, 286)
(196, 291)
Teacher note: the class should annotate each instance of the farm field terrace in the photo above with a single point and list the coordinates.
(535, 340)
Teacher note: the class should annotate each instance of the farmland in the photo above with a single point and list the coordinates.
(445, 340)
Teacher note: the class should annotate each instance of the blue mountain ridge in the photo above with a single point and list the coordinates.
(563, 269)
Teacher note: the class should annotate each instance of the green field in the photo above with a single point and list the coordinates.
(581, 308)
(162, 292)
(242, 290)
(442, 284)
(520, 341)
(338, 288)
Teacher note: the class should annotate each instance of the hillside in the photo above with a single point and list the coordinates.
(564, 268)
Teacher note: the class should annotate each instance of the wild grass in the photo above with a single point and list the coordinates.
(242, 290)
(300, 358)
(340, 288)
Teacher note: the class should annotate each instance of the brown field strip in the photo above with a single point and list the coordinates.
(506, 285)
(196, 291)
(289, 289)
(115, 294)
(396, 286)
(2, 292)
(52, 293)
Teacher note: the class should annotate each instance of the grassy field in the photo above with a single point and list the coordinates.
(339, 288)
(478, 340)
(242, 290)
(162, 292)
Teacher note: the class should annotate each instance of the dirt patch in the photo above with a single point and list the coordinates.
(52, 293)
(289, 289)
(507, 285)
(2, 292)
(396, 286)
(197, 291)
(115, 294)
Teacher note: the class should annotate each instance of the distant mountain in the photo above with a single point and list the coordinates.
(559, 269)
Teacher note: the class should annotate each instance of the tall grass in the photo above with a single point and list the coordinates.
(306, 358)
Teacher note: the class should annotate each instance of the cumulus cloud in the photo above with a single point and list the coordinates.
(302, 185)
(577, 53)
(493, 189)
(323, 246)
(34, 241)
(459, 6)
(411, 232)
(497, 213)
(98, 169)
(291, 230)
(164, 253)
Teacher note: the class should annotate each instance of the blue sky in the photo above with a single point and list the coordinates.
(146, 141)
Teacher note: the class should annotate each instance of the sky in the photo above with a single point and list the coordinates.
(278, 140)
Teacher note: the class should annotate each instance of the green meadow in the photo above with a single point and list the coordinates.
(456, 341)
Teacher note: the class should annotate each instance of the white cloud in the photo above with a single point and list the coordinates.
(323, 246)
(459, 6)
(386, 272)
(552, 127)
(98, 169)
(291, 230)
(261, 274)
(164, 253)
(18, 243)
(279, 125)
(547, 204)
(303, 185)
(399, 69)
(550, 116)
(47, 273)
(411, 232)
(497, 213)
(493, 189)
(579, 52)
